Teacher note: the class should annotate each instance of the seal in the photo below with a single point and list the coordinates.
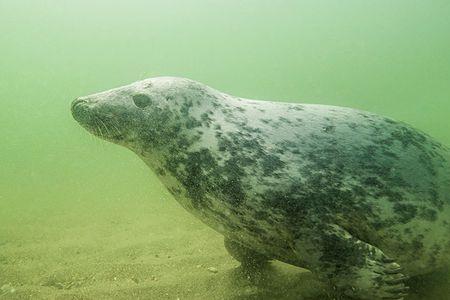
(359, 199)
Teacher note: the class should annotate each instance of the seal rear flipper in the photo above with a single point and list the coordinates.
(357, 269)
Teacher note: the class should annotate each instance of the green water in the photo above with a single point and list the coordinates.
(62, 191)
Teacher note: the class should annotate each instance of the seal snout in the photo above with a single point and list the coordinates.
(80, 110)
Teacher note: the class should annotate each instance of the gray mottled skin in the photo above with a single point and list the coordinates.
(348, 194)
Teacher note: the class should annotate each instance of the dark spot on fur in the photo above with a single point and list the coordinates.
(261, 215)
(192, 123)
(206, 119)
(428, 214)
(271, 163)
(284, 120)
(185, 107)
(329, 128)
(405, 212)
(390, 154)
(296, 107)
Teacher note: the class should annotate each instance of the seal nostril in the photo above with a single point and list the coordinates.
(77, 102)
(80, 111)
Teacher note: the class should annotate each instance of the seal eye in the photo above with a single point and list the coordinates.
(141, 100)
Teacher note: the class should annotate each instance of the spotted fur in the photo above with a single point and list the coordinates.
(340, 191)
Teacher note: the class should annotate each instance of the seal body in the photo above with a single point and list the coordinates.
(348, 194)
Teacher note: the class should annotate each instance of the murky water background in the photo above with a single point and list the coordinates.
(85, 219)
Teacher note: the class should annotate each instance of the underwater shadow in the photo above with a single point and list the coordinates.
(434, 286)
(284, 282)
(275, 281)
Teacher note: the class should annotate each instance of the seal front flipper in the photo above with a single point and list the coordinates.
(250, 259)
(356, 268)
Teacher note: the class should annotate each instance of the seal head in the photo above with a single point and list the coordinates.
(136, 116)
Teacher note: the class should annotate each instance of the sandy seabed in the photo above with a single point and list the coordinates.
(134, 251)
